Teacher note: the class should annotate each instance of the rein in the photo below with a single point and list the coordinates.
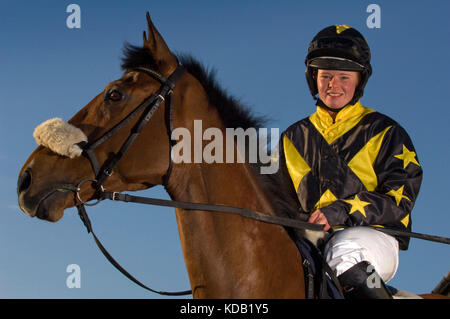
(148, 107)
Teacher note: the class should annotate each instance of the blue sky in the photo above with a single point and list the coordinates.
(258, 49)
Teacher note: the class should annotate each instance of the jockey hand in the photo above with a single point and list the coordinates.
(319, 218)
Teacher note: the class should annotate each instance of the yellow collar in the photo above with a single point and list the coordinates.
(345, 120)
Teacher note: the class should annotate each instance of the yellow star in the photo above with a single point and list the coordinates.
(398, 194)
(341, 27)
(357, 205)
(407, 156)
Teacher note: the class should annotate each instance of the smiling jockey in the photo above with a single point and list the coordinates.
(351, 166)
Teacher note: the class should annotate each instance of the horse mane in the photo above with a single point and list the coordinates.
(234, 114)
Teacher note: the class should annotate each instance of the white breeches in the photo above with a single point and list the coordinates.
(355, 244)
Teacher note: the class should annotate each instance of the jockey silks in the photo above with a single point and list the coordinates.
(359, 169)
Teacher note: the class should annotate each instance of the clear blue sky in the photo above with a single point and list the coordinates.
(258, 49)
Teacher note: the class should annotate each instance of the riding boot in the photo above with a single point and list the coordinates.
(362, 282)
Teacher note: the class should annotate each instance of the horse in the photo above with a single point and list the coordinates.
(225, 256)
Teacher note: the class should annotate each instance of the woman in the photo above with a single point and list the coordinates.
(351, 166)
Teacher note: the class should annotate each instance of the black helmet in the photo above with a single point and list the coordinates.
(338, 47)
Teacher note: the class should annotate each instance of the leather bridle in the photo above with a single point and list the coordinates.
(148, 108)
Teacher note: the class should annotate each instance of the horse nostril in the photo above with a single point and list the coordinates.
(24, 182)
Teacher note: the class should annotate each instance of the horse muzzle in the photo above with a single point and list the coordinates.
(47, 205)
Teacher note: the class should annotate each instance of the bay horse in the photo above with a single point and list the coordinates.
(225, 256)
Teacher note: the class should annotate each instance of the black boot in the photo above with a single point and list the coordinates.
(362, 282)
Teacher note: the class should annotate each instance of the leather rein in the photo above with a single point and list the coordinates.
(148, 107)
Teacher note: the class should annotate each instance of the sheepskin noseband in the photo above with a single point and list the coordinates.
(60, 136)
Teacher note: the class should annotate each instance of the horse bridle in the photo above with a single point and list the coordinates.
(148, 108)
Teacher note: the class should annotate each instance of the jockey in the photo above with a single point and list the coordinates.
(351, 166)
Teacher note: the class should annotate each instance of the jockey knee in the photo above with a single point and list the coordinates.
(353, 245)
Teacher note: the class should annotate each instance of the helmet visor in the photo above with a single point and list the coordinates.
(335, 63)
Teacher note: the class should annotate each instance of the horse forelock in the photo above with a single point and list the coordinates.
(135, 57)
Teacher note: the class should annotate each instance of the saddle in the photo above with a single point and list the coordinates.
(320, 280)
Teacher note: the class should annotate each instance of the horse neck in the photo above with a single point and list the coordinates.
(229, 256)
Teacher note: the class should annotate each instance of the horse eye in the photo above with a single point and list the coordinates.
(114, 96)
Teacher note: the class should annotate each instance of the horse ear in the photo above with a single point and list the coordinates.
(159, 49)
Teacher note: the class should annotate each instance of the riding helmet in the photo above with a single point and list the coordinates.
(338, 47)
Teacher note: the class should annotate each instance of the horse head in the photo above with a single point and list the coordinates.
(58, 161)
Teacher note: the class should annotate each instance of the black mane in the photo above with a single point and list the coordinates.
(233, 114)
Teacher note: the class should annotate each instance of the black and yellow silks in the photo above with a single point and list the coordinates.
(359, 169)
